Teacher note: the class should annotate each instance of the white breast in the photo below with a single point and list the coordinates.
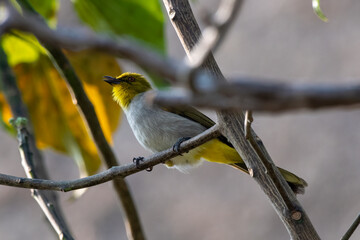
(156, 129)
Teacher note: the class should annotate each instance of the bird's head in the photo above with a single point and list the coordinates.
(127, 86)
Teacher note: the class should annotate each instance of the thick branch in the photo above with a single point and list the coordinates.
(298, 225)
(257, 95)
(112, 173)
(31, 157)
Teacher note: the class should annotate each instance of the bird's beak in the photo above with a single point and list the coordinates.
(111, 80)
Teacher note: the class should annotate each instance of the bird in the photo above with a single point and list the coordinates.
(159, 128)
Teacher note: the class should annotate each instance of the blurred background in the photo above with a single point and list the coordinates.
(281, 40)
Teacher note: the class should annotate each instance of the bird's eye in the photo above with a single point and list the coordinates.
(131, 79)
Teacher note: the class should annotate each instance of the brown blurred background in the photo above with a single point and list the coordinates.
(278, 39)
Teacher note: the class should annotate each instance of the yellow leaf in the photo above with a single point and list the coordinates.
(91, 67)
(57, 122)
(5, 112)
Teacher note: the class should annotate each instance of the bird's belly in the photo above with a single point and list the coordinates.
(155, 140)
(158, 130)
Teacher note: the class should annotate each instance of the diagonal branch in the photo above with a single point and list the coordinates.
(215, 33)
(352, 228)
(85, 107)
(44, 202)
(112, 173)
(31, 157)
(298, 224)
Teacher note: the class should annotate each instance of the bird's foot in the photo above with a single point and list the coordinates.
(137, 161)
(176, 147)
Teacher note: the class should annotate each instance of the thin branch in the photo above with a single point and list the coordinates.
(269, 167)
(26, 160)
(352, 228)
(112, 173)
(215, 33)
(31, 157)
(247, 124)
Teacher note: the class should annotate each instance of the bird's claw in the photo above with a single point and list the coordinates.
(137, 161)
(176, 147)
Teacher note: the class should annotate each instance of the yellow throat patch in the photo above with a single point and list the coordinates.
(128, 86)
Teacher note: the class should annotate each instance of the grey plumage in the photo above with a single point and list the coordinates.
(157, 130)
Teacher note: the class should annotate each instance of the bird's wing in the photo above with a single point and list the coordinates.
(196, 116)
(191, 114)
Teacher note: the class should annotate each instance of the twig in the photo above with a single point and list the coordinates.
(232, 125)
(215, 33)
(26, 160)
(269, 168)
(352, 228)
(247, 124)
(112, 173)
(31, 156)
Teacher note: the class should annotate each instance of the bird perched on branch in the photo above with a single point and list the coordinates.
(157, 129)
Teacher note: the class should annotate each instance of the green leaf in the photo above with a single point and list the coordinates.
(47, 9)
(317, 10)
(140, 19)
(136, 18)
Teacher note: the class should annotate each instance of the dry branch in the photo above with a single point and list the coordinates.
(215, 32)
(112, 173)
(352, 228)
(261, 96)
(52, 214)
(86, 108)
(31, 157)
(294, 219)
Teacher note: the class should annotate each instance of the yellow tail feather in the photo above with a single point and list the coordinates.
(216, 151)
(296, 183)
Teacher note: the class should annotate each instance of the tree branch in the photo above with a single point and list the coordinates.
(298, 224)
(352, 228)
(45, 204)
(87, 111)
(215, 32)
(242, 93)
(260, 96)
(112, 173)
(31, 157)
